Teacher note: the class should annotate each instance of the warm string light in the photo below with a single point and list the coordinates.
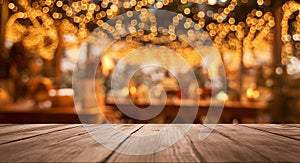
(75, 17)
(289, 8)
(168, 38)
(258, 26)
(261, 24)
(93, 13)
(226, 11)
(40, 38)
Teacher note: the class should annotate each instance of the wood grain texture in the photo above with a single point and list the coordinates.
(270, 146)
(225, 148)
(72, 143)
(4, 125)
(19, 132)
(179, 152)
(280, 130)
(294, 125)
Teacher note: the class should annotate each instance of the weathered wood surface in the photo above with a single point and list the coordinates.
(72, 143)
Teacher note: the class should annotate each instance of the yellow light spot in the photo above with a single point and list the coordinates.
(92, 6)
(76, 19)
(271, 23)
(125, 92)
(132, 2)
(252, 94)
(166, 2)
(11, 6)
(151, 1)
(231, 7)
(172, 37)
(222, 96)
(99, 22)
(84, 7)
(132, 90)
(187, 25)
(69, 13)
(226, 11)
(23, 2)
(219, 19)
(201, 14)
(180, 16)
(255, 94)
(260, 2)
(126, 4)
(231, 20)
(55, 15)
(114, 8)
(183, 1)
(109, 12)
(129, 14)
(197, 27)
(59, 3)
(249, 92)
(65, 7)
(187, 11)
(159, 5)
(212, 2)
(258, 13)
(46, 9)
(134, 22)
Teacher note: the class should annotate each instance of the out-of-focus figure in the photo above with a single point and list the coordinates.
(38, 90)
(170, 85)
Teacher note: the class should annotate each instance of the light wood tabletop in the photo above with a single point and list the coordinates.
(226, 143)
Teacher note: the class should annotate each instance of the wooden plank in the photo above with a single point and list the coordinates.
(74, 144)
(219, 148)
(17, 128)
(227, 143)
(273, 147)
(281, 130)
(294, 125)
(21, 127)
(181, 151)
(4, 125)
(20, 132)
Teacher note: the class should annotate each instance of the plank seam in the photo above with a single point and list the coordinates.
(119, 145)
(196, 152)
(286, 136)
(5, 125)
(24, 138)
(237, 142)
(79, 134)
(29, 129)
(292, 125)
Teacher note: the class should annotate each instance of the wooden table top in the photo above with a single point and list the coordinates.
(227, 143)
(202, 104)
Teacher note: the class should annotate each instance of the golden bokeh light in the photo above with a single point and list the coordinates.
(256, 29)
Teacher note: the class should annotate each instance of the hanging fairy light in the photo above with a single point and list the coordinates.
(289, 8)
(77, 16)
(38, 38)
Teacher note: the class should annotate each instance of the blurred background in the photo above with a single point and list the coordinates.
(257, 41)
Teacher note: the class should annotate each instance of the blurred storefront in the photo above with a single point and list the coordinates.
(43, 42)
